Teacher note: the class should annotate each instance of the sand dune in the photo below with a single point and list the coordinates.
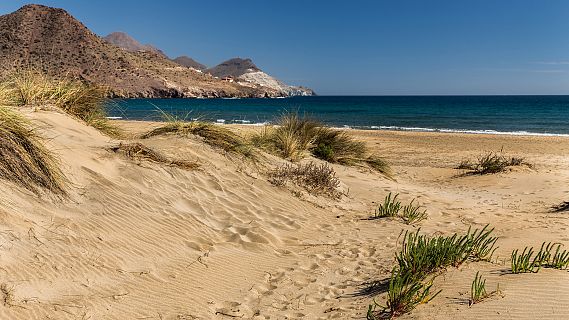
(142, 240)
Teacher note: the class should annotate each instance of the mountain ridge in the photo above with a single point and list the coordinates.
(54, 42)
(125, 41)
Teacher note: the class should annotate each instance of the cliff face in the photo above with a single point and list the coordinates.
(53, 41)
(244, 70)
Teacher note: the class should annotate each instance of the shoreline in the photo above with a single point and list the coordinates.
(390, 129)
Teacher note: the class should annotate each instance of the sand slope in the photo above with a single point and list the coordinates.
(140, 240)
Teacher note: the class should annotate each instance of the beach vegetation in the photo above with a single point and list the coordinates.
(138, 151)
(550, 255)
(83, 101)
(212, 134)
(562, 207)
(491, 162)
(24, 160)
(423, 255)
(405, 292)
(477, 289)
(293, 137)
(419, 258)
(413, 213)
(389, 208)
(315, 179)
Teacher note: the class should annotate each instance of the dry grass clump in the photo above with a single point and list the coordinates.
(23, 158)
(564, 206)
(138, 151)
(491, 162)
(32, 88)
(8, 295)
(293, 137)
(212, 134)
(316, 179)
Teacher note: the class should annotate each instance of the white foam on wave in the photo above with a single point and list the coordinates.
(468, 131)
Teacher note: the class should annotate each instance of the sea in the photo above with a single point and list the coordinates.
(509, 115)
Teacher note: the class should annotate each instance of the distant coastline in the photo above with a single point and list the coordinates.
(498, 115)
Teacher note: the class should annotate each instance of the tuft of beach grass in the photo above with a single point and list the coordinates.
(294, 137)
(422, 256)
(84, 101)
(212, 134)
(490, 163)
(24, 159)
(138, 151)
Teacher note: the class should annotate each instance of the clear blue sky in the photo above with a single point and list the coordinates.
(358, 47)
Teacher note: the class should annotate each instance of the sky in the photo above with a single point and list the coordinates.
(357, 47)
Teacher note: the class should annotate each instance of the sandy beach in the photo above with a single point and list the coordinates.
(144, 240)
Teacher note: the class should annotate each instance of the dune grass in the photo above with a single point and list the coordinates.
(294, 137)
(404, 294)
(391, 207)
(212, 134)
(477, 289)
(491, 162)
(81, 100)
(421, 257)
(413, 213)
(23, 158)
(550, 255)
(315, 179)
(138, 151)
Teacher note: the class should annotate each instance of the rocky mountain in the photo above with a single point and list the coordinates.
(235, 67)
(244, 70)
(128, 43)
(189, 62)
(53, 41)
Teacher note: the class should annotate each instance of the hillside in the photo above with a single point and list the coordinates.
(246, 70)
(123, 40)
(189, 62)
(52, 40)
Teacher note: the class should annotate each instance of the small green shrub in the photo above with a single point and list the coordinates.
(389, 208)
(405, 293)
(422, 255)
(526, 262)
(478, 289)
(412, 213)
(559, 260)
(324, 152)
(522, 263)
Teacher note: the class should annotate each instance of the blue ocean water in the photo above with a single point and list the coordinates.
(539, 115)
